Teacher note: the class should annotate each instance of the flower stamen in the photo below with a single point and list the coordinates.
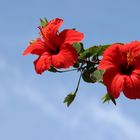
(41, 32)
(45, 36)
(130, 57)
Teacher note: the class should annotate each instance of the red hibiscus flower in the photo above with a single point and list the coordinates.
(54, 48)
(122, 69)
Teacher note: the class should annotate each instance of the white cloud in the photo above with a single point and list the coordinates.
(107, 122)
(37, 99)
(112, 120)
(121, 124)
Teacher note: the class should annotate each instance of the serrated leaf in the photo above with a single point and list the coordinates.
(79, 47)
(100, 49)
(97, 75)
(44, 22)
(85, 54)
(92, 51)
(69, 99)
(86, 75)
(107, 98)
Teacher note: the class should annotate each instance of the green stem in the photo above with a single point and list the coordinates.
(78, 84)
(66, 70)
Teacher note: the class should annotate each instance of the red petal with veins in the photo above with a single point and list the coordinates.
(51, 29)
(132, 85)
(65, 58)
(37, 47)
(110, 57)
(135, 47)
(70, 36)
(129, 87)
(114, 82)
(42, 63)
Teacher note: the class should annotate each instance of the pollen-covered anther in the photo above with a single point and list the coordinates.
(130, 57)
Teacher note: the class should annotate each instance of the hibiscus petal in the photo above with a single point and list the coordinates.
(70, 36)
(135, 47)
(110, 57)
(66, 57)
(104, 65)
(42, 63)
(114, 82)
(132, 86)
(49, 33)
(37, 47)
(51, 29)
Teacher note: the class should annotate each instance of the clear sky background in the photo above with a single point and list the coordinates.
(31, 105)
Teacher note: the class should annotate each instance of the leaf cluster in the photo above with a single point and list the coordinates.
(87, 64)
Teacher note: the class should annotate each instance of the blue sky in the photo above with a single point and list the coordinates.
(31, 106)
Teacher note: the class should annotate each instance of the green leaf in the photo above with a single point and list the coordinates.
(46, 20)
(76, 65)
(79, 47)
(97, 75)
(100, 49)
(107, 98)
(86, 75)
(91, 74)
(92, 51)
(86, 54)
(43, 22)
(69, 99)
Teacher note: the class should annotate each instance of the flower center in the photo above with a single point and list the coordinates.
(127, 67)
(56, 51)
(53, 47)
